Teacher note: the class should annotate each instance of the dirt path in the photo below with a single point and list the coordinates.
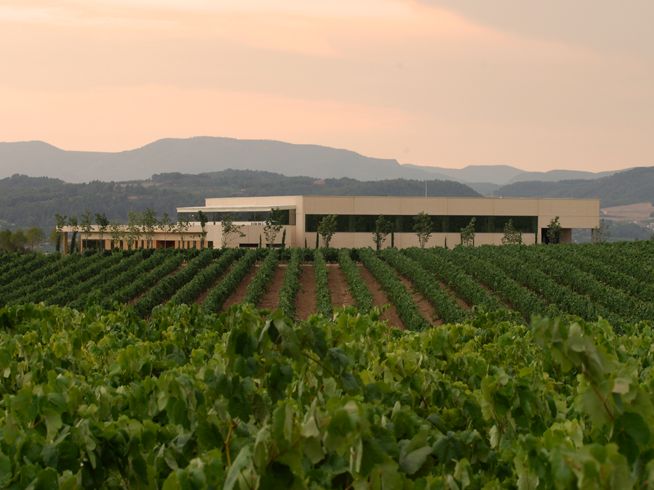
(305, 303)
(338, 288)
(136, 298)
(239, 293)
(454, 296)
(270, 299)
(380, 298)
(424, 306)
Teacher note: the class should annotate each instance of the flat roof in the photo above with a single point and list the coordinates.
(359, 196)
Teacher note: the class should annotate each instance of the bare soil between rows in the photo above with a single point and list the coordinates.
(270, 298)
(338, 288)
(305, 303)
(380, 298)
(239, 293)
(426, 309)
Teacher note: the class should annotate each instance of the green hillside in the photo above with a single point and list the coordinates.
(29, 201)
(628, 187)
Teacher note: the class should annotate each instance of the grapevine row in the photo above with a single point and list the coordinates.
(397, 293)
(358, 288)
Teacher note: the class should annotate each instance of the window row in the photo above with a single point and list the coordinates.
(363, 223)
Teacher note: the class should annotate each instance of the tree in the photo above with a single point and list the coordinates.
(34, 237)
(18, 240)
(116, 232)
(383, 228)
(134, 222)
(86, 226)
(72, 222)
(6, 243)
(468, 233)
(229, 230)
(103, 223)
(202, 218)
(554, 231)
(149, 224)
(602, 233)
(182, 227)
(327, 228)
(511, 235)
(273, 225)
(60, 222)
(422, 225)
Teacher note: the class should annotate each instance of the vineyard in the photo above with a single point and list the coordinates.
(187, 399)
(511, 366)
(411, 289)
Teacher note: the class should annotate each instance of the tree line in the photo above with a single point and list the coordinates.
(141, 225)
(21, 240)
(423, 228)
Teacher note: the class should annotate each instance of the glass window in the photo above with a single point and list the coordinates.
(365, 223)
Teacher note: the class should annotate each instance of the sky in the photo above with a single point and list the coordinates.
(535, 84)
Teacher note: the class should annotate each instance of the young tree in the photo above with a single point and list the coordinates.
(34, 237)
(165, 224)
(60, 222)
(468, 233)
(18, 240)
(134, 222)
(383, 228)
(202, 218)
(183, 224)
(116, 232)
(5, 241)
(602, 233)
(72, 222)
(149, 225)
(554, 231)
(511, 235)
(272, 226)
(103, 223)
(327, 228)
(86, 225)
(229, 230)
(422, 225)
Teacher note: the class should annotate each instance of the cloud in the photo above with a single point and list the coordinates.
(602, 25)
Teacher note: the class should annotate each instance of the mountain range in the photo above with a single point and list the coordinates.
(212, 154)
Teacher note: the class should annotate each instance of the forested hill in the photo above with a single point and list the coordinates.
(28, 201)
(628, 187)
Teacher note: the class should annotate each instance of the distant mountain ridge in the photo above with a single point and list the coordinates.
(627, 187)
(211, 154)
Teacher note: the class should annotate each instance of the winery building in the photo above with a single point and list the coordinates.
(356, 216)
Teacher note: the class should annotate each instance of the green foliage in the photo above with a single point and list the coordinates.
(358, 288)
(261, 281)
(323, 295)
(468, 233)
(445, 306)
(218, 295)
(273, 225)
(291, 283)
(327, 228)
(511, 235)
(229, 230)
(554, 231)
(395, 290)
(188, 399)
(383, 228)
(20, 240)
(422, 225)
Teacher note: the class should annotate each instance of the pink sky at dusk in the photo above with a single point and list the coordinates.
(430, 82)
